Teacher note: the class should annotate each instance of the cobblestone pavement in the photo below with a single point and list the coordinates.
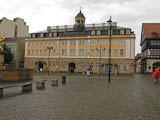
(85, 98)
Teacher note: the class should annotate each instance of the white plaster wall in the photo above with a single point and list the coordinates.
(150, 62)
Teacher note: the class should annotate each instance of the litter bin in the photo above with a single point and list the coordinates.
(64, 79)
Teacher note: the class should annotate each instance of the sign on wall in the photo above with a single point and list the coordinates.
(128, 48)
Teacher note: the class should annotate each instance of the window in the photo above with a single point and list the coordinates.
(64, 42)
(32, 43)
(128, 32)
(109, 32)
(92, 52)
(13, 50)
(109, 42)
(41, 43)
(64, 52)
(28, 52)
(92, 42)
(54, 51)
(115, 52)
(63, 64)
(93, 32)
(37, 43)
(54, 43)
(32, 52)
(127, 65)
(115, 42)
(40, 52)
(97, 52)
(45, 52)
(98, 42)
(36, 52)
(54, 63)
(45, 43)
(81, 52)
(28, 43)
(122, 32)
(109, 52)
(98, 32)
(121, 42)
(50, 34)
(121, 52)
(54, 34)
(104, 42)
(81, 65)
(81, 42)
(72, 52)
(104, 52)
(72, 42)
(121, 66)
(97, 65)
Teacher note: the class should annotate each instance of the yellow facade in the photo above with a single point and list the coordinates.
(82, 52)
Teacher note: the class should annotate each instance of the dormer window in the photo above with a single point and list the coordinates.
(98, 32)
(93, 32)
(128, 32)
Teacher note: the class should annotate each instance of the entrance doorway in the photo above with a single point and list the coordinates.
(107, 68)
(40, 66)
(156, 65)
(72, 67)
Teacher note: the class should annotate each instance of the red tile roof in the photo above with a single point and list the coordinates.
(151, 30)
(13, 39)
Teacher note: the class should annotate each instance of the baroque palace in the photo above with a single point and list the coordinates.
(72, 48)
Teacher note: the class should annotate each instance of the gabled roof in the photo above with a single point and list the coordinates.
(151, 30)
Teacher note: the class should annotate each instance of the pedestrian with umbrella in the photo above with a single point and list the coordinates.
(156, 75)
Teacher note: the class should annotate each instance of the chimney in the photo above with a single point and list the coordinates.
(57, 27)
(48, 28)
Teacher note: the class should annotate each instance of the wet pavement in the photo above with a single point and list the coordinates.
(85, 98)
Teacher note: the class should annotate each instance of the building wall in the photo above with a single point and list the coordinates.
(17, 47)
(150, 63)
(138, 66)
(1, 60)
(20, 53)
(15, 28)
(128, 47)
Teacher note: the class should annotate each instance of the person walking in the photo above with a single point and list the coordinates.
(156, 75)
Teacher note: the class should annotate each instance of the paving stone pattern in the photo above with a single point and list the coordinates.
(85, 98)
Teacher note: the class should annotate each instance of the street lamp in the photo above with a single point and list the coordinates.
(49, 48)
(110, 38)
(99, 59)
(100, 62)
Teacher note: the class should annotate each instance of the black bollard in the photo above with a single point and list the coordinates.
(63, 79)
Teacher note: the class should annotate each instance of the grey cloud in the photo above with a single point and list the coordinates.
(72, 4)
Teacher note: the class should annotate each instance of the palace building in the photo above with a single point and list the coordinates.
(72, 48)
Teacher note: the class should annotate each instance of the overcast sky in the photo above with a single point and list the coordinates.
(38, 14)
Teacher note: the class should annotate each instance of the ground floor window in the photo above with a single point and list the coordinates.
(127, 65)
(121, 66)
(81, 65)
(107, 68)
(63, 64)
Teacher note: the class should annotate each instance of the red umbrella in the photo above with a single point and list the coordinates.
(156, 73)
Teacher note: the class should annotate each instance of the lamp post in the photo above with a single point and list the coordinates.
(110, 38)
(49, 48)
(99, 58)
